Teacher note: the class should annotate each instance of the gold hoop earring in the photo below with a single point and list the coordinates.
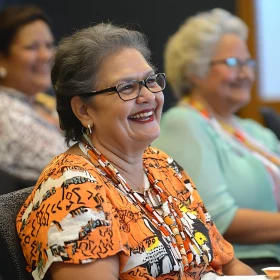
(89, 131)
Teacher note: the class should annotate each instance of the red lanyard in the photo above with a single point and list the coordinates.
(236, 133)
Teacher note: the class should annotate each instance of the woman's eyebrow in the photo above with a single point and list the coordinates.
(133, 78)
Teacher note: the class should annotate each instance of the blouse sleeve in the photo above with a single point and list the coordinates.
(69, 218)
(185, 138)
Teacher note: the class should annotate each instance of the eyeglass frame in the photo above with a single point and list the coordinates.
(239, 64)
(115, 88)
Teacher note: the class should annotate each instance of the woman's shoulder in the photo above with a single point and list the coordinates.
(256, 130)
(15, 113)
(158, 160)
(11, 98)
(155, 153)
(15, 101)
(15, 106)
(70, 200)
(67, 165)
(68, 182)
(248, 123)
(64, 170)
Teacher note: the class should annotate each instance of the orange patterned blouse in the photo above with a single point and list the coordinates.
(76, 215)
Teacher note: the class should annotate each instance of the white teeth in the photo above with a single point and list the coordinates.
(141, 115)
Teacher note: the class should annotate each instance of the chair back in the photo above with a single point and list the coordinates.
(12, 261)
(271, 119)
(10, 183)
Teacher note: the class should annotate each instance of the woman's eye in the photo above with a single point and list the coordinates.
(126, 88)
(232, 62)
(151, 80)
(37, 46)
(32, 47)
(50, 46)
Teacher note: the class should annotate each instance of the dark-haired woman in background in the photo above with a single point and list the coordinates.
(29, 134)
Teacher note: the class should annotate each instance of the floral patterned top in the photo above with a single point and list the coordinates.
(29, 135)
(75, 214)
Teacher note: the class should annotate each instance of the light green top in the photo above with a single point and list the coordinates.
(227, 177)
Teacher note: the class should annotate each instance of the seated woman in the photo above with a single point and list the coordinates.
(113, 206)
(234, 162)
(30, 135)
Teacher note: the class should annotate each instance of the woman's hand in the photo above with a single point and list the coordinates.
(254, 227)
(101, 269)
(236, 267)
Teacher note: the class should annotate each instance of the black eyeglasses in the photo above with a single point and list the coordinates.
(234, 62)
(131, 90)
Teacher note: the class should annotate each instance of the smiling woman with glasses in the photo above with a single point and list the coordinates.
(234, 162)
(113, 207)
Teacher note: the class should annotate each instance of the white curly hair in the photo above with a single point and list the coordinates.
(190, 49)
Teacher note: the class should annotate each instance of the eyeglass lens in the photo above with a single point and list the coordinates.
(130, 90)
(235, 62)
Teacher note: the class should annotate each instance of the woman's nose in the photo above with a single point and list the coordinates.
(247, 72)
(45, 53)
(145, 95)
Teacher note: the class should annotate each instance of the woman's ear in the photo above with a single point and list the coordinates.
(81, 110)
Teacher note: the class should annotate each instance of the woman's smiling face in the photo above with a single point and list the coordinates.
(122, 123)
(29, 58)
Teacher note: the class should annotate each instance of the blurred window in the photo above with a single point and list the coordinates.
(268, 42)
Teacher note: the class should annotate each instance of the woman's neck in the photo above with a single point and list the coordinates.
(221, 114)
(130, 165)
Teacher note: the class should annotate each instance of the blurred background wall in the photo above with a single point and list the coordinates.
(158, 19)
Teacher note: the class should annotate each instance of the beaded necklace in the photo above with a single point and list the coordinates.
(174, 224)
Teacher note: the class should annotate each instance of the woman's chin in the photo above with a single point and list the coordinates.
(148, 138)
(238, 102)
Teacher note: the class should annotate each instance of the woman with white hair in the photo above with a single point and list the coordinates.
(234, 162)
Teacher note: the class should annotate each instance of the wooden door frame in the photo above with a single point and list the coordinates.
(246, 10)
